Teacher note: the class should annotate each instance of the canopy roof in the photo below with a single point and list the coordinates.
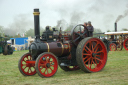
(116, 33)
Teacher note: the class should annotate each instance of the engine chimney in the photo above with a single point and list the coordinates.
(36, 24)
(115, 27)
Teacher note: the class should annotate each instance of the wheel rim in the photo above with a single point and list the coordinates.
(125, 44)
(28, 69)
(112, 47)
(47, 65)
(72, 68)
(94, 55)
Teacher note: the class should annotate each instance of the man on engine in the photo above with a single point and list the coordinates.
(90, 29)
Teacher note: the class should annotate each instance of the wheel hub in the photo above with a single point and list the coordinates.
(48, 65)
(93, 54)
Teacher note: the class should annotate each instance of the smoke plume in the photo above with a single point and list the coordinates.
(122, 16)
(19, 25)
(75, 18)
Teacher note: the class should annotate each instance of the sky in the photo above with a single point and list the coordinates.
(18, 14)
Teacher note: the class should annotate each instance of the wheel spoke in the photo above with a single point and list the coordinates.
(92, 47)
(95, 61)
(94, 64)
(51, 62)
(96, 49)
(85, 57)
(90, 43)
(24, 68)
(50, 68)
(98, 55)
(96, 46)
(41, 68)
(98, 59)
(86, 54)
(46, 59)
(45, 70)
(91, 62)
(88, 49)
(28, 69)
(87, 60)
(100, 51)
(76, 39)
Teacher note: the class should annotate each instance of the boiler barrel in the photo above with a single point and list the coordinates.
(58, 48)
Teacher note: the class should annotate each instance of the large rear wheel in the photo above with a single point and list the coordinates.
(46, 64)
(91, 55)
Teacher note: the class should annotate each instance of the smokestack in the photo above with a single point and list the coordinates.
(115, 27)
(36, 24)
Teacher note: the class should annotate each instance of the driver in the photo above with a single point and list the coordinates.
(90, 29)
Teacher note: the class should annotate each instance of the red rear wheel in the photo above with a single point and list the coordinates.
(112, 47)
(91, 55)
(125, 44)
(46, 64)
(26, 69)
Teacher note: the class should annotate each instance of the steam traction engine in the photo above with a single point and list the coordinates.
(70, 51)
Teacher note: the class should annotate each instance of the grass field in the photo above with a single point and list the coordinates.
(114, 73)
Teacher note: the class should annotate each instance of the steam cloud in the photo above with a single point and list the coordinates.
(76, 18)
(122, 16)
(20, 24)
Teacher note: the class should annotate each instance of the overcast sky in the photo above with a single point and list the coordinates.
(102, 13)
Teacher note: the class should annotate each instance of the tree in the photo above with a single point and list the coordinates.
(124, 29)
(97, 30)
(108, 31)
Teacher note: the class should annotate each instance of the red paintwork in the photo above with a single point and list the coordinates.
(97, 62)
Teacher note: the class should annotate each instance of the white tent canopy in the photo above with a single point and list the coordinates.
(116, 33)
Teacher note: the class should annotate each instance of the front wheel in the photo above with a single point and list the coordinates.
(91, 55)
(46, 64)
(27, 69)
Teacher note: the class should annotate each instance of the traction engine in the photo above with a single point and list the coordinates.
(71, 51)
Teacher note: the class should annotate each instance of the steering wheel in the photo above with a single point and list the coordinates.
(76, 37)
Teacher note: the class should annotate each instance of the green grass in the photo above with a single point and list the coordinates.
(114, 73)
